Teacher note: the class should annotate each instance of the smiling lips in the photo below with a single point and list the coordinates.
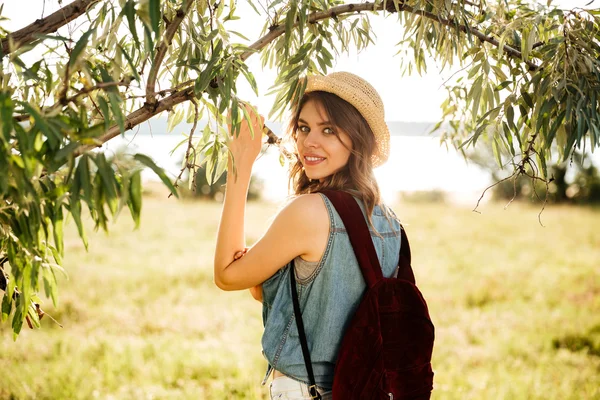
(313, 160)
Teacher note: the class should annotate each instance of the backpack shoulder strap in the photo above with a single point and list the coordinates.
(359, 234)
(404, 268)
(303, 342)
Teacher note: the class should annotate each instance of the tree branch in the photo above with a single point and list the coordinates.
(162, 50)
(140, 115)
(66, 100)
(146, 112)
(46, 25)
(188, 152)
(149, 110)
(279, 30)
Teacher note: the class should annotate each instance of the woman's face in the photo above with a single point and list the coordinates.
(320, 150)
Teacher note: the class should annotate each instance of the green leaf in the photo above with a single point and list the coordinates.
(479, 131)
(251, 3)
(569, 107)
(474, 71)
(131, 63)
(491, 114)
(557, 122)
(115, 102)
(79, 47)
(6, 113)
(476, 95)
(148, 41)
(301, 54)
(129, 11)
(18, 318)
(75, 208)
(57, 229)
(510, 117)
(103, 104)
(66, 151)
(107, 176)
(6, 306)
(290, 19)
(542, 116)
(210, 165)
(135, 197)
(509, 138)
(147, 161)
(54, 137)
(55, 254)
(248, 118)
(250, 79)
(155, 16)
(527, 99)
(239, 35)
(541, 155)
(502, 85)
(497, 152)
(50, 285)
(174, 119)
(98, 212)
(235, 123)
(33, 315)
(114, 99)
(52, 37)
(83, 175)
(221, 165)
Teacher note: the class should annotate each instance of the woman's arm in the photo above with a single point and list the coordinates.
(244, 150)
(300, 229)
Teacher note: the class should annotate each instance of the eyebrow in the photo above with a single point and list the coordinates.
(319, 123)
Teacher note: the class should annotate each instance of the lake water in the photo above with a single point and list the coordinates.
(417, 161)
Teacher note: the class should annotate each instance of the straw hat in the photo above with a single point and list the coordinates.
(364, 98)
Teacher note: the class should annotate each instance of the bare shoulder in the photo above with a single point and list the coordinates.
(307, 210)
(308, 216)
(307, 205)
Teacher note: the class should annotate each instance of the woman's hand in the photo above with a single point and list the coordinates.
(255, 291)
(245, 148)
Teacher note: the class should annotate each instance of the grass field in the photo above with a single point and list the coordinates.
(516, 308)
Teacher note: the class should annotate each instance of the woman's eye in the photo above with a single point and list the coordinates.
(303, 129)
(328, 131)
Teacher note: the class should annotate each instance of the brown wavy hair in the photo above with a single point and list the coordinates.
(356, 177)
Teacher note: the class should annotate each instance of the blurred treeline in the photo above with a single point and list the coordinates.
(202, 189)
(576, 181)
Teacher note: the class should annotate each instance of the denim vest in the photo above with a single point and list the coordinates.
(328, 299)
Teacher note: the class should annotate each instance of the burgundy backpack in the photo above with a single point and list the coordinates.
(386, 351)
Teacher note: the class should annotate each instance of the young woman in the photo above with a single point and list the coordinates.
(340, 135)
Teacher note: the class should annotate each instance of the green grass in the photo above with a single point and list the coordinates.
(515, 304)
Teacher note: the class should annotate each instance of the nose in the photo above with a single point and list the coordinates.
(311, 139)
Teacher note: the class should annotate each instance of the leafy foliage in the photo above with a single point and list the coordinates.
(530, 79)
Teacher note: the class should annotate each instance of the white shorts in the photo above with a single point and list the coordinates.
(284, 387)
